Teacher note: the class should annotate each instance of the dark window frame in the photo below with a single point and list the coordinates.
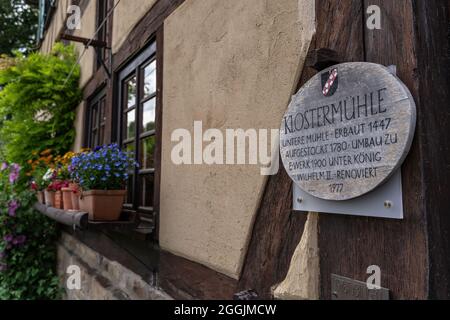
(94, 107)
(134, 67)
(103, 33)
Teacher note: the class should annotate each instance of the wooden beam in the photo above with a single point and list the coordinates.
(184, 279)
(432, 38)
(276, 233)
(321, 58)
(412, 253)
(277, 229)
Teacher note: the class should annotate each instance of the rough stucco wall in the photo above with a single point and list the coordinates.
(126, 15)
(56, 26)
(79, 127)
(231, 64)
(88, 24)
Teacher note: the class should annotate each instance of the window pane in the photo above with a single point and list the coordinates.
(102, 111)
(130, 190)
(94, 116)
(147, 191)
(130, 148)
(101, 134)
(131, 92)
(150, 79)
(130, 122)
(94, 139)
(146, 160)
(148, 118)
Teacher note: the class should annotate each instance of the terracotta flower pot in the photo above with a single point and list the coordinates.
(59, 201)
(103, 205)
(75, 196)
(50, 198)
(67, 199)
(40, 197)
(75, 200)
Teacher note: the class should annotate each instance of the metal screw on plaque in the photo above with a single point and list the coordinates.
(300, 200)
(388, 204)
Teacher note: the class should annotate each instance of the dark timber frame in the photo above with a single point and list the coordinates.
(414, 253)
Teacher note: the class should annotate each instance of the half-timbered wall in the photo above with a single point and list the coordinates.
(234, 64)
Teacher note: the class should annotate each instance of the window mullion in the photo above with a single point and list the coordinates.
(137, 190)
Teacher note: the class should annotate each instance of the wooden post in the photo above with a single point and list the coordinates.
(412, 253)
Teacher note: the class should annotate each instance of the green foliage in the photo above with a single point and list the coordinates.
(18, 26)
(37, 113)
(27, 242)
(37, 104)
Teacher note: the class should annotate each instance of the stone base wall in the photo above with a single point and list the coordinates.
(101, 279)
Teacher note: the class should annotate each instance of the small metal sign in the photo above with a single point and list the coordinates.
(347, 131)
(348, 289)
(384, 202)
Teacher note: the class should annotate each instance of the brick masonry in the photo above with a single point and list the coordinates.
(101, 278)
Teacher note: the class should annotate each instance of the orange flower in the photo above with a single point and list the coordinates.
(46, 152)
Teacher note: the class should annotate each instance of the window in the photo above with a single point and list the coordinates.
(138, 123)
(96, 120)
(102, 35)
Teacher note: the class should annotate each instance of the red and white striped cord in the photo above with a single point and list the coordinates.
(330, 82)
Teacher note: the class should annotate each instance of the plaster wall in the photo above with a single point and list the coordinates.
(230, 64)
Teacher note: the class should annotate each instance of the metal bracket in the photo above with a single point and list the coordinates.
(384, 202)
(348, 289)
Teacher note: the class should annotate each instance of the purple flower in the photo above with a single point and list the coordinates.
(14, 175)
(12, 207)
(3, 267)
(4, 166)
(8, 238)
(19, 240)
(2, 255)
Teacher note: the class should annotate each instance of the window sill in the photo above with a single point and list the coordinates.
(81, 220)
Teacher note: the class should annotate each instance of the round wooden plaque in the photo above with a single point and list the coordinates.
(347, 130)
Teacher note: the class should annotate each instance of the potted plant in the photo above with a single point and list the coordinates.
(38, 168)
(50, 190)
(57, 186)
(39, 185)
(75, 196)
(63, 175)
(102, 175)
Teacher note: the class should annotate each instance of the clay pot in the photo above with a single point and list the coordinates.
(59, 201)
(67, 199)
(49, 198)
(103, 205)
(40, 197)
(75, 196)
